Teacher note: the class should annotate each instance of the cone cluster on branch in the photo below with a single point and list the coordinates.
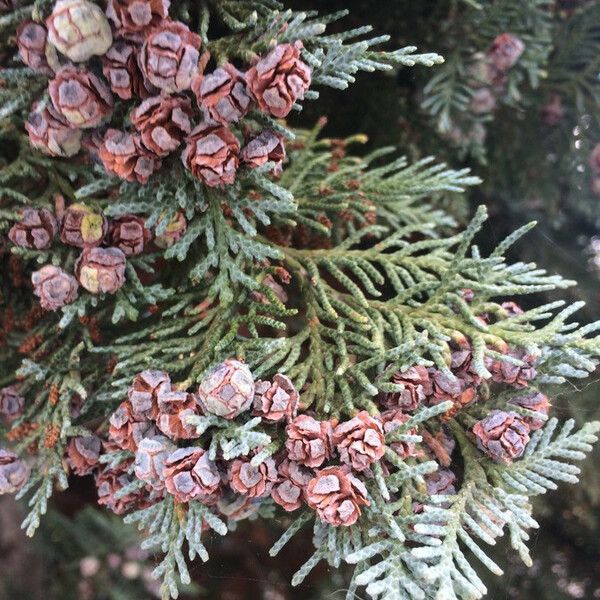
(324, 464)
(157, 66)
(105, 246)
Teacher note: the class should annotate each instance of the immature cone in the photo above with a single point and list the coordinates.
(133, 18)
(121, 69)
(417, 386)
(173, 232)
(13, 472)
(51, 134)
(36, 229)
(266, 147)
(309, 441)
(291, 484)
(123, 155)
(169, 56)
(31, 41)
(276, 400)
(163, 122)
(127, 428)
(80, 97)
(228, 390)
(390, 421)
(83, 227)
(254, 482)
(279, 79)
(516, 375)
(101, 270)
(212, 154)
(129, 234)
(535, 401)
(336, 495)
(83, 454)
(54, 287)
(110, 481)
(502, 435)
(360, 441)
(79, 29)
(150, 458)
(191, 475)
(512, 309)
(505, 51)
(144, 391)
(223, 94)
(173, 409)
(11, 404)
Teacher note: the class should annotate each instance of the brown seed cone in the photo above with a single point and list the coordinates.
(535, 401)
(212, 154)
(144, 391)
(101, 270)
(483, 101)
(80, 97)
(289, 491)
(518, 376)
(163, 122)
(83, 454)
(337, 496)
(134, 18)
(191, 475)
(390, 421)
(441, 482)
(129, 234)
(594, 159)
(227, 390)
(126, 429)
(173, 408)
(79, 29)
(502, 435)
(54, 287)
(266, 147)
(461, 364)
(124, 155)
(359, 441)
(222, 95)
(11, 404)
(36, 229)
(51, 134)
(254, 482)
(417, 386)
(121, 69)
(445, 387)
(83, 227)
(13, 472)
(150, 457)
(110, 481)
(169, 56)
(31, 41)
(505, 51)
(279, 79)
(309, 441)
(276, 400)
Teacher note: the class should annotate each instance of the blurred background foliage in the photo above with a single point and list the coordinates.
(533, 168)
